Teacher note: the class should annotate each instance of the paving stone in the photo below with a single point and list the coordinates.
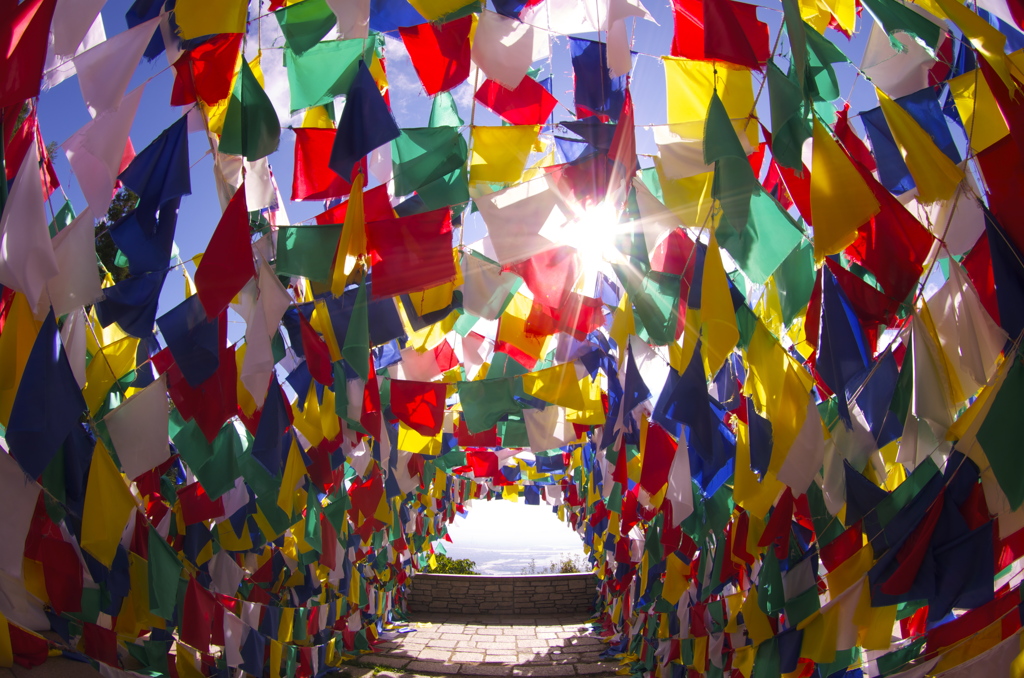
(350, 669)
(467, 656)
(444, 642)
(444, 669)
(486, 670)
(388, 660)
(497, 645)
(509, 658)
(441, 655)
(597, 668)
(554, 670)
(490, 631)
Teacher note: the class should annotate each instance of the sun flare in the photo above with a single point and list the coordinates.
(593, 232)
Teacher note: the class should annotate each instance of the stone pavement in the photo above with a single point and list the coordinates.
(482, 645)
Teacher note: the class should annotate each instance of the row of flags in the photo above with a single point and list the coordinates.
(762, 357)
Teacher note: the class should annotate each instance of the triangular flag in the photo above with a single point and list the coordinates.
(227, 264)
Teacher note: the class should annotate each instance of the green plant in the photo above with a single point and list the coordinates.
(107, 252)
(446, 565)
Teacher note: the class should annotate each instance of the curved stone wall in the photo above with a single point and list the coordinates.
(537, 594)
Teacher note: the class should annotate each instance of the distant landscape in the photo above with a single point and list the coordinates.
(490, 561)
(502, 537)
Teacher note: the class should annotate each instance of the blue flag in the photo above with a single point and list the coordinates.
(193, 340)
(132, 302)
(160, 172)
(48, 404)
(366, 123)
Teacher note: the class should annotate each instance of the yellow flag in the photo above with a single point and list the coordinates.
(512, 328)
(500, 153)
(6, 649)
(410, 440)
(978, 110)
(850, 571)
(111, 363)
(108, 503)
(845, 12)
(819, 641)
(15, 344)
(317, 117)
(755, 496)
(197, 18)
(432, 10)
(557, 385)
(743, 659)
(284, 630)
(718, 320)
(934, 173)
(758, 627)
(841, 202)
(676, 583)
(689, 198)
(984, 37)
(352, 243)
(294, 472)
(689, 85)
(780, 389)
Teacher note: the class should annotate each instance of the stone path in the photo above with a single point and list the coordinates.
(492, 646)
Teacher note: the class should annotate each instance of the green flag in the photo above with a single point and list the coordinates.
(307, 251)
(794, 280)
(790, 126)
(998, 434)
(444, 112)
(325, 70)
(422, 155)
(305, 23)
(485, 402)
(356, 350)
(164, 572)
(251, 127)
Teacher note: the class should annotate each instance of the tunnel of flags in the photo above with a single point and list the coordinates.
(761, 356)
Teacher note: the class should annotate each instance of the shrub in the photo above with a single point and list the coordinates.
(446, 565)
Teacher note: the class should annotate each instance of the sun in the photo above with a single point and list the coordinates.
(593, 232)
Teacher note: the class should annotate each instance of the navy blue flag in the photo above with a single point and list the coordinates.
(160, 172)
(366, 123)
(131, 303)
(47, 405)
(842, 351)
(193, 340)
(597, 93)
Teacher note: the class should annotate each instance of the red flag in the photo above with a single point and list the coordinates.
(623, 150)
(528, 104)
(313, 179)
(551, 275)
(440, 53)
(411, 253)
(318, 356)
(197, 617)
(419, 405)
(206, 71)
(657, 461)
(484, 464)
(978, 264)
(720, 30)
(17, 148)
(893, 245)
(227, 265)
(23, 40)
(376, 207)
(854, 145)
